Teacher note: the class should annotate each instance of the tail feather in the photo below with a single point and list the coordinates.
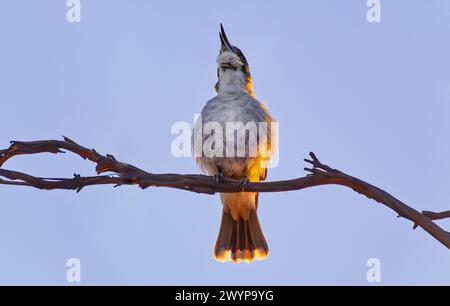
(240, 240)
(260, 244)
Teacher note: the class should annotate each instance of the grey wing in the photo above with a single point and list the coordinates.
(204, 116)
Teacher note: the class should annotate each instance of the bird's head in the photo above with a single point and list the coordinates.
(232, 64)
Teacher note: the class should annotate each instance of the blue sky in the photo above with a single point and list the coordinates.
(371, 99)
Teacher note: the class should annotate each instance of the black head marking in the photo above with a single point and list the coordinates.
(227, 46)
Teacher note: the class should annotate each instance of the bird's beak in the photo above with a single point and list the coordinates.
(225, 46)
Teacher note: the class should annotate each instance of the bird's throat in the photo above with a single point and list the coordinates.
(234, 82)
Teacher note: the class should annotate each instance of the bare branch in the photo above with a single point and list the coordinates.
(436, 215)
(125, 174)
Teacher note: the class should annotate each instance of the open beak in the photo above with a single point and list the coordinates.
(225, 46)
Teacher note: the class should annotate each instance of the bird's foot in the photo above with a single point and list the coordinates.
(244, 182)
(218, 178)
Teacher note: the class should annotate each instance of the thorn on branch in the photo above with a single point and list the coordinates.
(67, 139)
(318, 167)
(312, 170)
(144, 186)
(314, 157)
(111, 157)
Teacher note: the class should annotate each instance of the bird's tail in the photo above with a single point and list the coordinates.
(240, 240)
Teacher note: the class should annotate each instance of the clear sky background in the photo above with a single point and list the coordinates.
(371, 99)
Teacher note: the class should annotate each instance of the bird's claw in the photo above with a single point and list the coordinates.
(244, 182)
(217, 178)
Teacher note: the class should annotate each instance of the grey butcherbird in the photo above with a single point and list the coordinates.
(240, 235)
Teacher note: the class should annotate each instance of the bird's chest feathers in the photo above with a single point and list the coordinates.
(229, 111)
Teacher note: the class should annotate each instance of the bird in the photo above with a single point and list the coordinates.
(240, 236)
